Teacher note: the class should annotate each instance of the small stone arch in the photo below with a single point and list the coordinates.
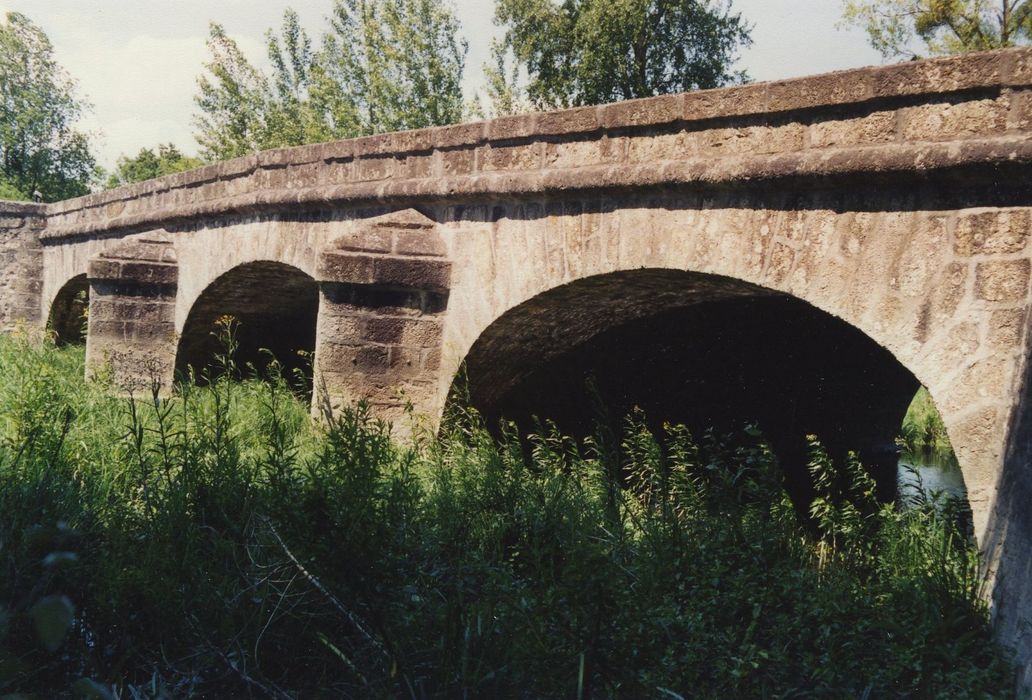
(67, 319)
(274, 307)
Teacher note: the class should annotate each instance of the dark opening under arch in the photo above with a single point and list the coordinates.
(67, 319)
(275, 307)
(702, 350)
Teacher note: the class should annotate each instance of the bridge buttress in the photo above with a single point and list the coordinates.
(383, 293)
(131, 322)
(21, 264)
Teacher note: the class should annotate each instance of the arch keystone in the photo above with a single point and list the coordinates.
(383, 294)
(131, 327)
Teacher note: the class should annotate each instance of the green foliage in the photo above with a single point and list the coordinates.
(583, 52)
(227, 546)
(40, 151)
(383, 65)
(943, 26)
(923, 431)
(147, 164)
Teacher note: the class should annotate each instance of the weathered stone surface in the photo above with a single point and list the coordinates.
(21, 264)
(1002, 281)
(992, 232)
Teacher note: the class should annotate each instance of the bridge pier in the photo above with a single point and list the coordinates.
(131, 326)
(383, 294)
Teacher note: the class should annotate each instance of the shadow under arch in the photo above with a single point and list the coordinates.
(67, 318)
(275, 306)
(699, 349)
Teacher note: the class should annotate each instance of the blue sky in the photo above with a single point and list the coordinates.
(138, 60)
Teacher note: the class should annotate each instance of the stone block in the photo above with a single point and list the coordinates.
(878, 127)
(1005, 280)
(149, 272)
(371, 168)
(346, 267)
(818, 91)
(458, 161)
(653, 147)
(405, 332)
(664, 109)
(992, 232)
(727, 102)
(938, 76)
(1007, 329)
(567, 121)
(415, 167)
(749, 139)
(516, 126)
(418, 242)
(581, 153)
(521, 157)
(946, 120)
(413, 273)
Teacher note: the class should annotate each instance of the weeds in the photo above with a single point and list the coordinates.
(221, 544)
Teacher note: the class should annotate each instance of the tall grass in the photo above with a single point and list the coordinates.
(222, 544)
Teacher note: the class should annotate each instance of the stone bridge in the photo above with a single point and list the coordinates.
(804, 253)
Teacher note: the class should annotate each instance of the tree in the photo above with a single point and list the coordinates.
(384, 65)
(40, 150)
(232, 101)
(147, 164)
(504, 88)
(583, 52)
(943, 26)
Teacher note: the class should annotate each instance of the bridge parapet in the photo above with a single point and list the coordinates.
(969, 113)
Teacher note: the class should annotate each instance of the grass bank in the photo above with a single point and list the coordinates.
(220, 544)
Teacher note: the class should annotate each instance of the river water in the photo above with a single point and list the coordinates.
(931, 472)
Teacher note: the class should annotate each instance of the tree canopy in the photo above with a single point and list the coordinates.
(897, 28)
(383, 65)
(581, 52)
(40, 150)
(149, 164)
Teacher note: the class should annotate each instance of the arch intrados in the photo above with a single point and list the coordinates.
(556, 321)
(274, 302)
(66, 315)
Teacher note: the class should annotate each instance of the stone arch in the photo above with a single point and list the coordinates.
(891, 273)
(68, 312)
(703, 349)
(276, 308)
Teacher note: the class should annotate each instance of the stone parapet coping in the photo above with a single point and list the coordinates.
(988, 71)
(14, 208)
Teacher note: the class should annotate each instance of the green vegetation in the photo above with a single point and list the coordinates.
(147, 164)
(40, 150)
(923, 431)
(220, 544)
(894, 27)
(383, 65)
(585, 52)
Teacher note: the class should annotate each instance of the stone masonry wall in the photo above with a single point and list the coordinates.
(21, 264)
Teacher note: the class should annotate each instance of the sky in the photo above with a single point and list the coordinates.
(137, 61)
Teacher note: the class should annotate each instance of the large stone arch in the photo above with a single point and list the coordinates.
(704, 350)
(66, 319)
(274, 307)
(898, 269)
